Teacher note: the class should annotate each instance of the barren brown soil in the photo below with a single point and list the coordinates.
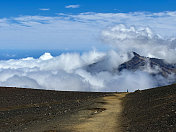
(41, 110)
(29, 110)
(107, 118)
(152, 110)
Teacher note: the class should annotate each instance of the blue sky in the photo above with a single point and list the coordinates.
(9, 8)
(78, 24)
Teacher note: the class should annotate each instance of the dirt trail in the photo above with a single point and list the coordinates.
(105, 118)
(52, 111)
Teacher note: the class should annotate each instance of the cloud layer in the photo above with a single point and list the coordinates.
(83, 30)
(47, 72)
(141, 40)
(149, 34)
(68, 72)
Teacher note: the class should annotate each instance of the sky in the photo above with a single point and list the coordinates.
(77, 24)
(11, 8)
(108, 30)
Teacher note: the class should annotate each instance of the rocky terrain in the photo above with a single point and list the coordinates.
(159, 66)
(152, 110)
(22, 108)
(137, 62)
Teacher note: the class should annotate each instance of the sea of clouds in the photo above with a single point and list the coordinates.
(148, 34)
(67, 72)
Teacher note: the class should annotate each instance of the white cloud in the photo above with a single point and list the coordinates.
(57, 73)
(67, 72)
(44, 9)
(83, 30)
(46, 56)
(72, 6)
(151, 34)
(141, 40)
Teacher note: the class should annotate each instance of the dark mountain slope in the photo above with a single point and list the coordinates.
(140, 62)
(152, 110)
(157, 66)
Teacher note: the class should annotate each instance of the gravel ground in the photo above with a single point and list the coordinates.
(152, 110)
(22, 108)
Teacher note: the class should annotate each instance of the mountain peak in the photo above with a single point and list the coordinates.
(140, 62)
(135, 54)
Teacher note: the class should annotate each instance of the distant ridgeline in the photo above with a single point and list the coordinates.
(157, 66)
(153, 66)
